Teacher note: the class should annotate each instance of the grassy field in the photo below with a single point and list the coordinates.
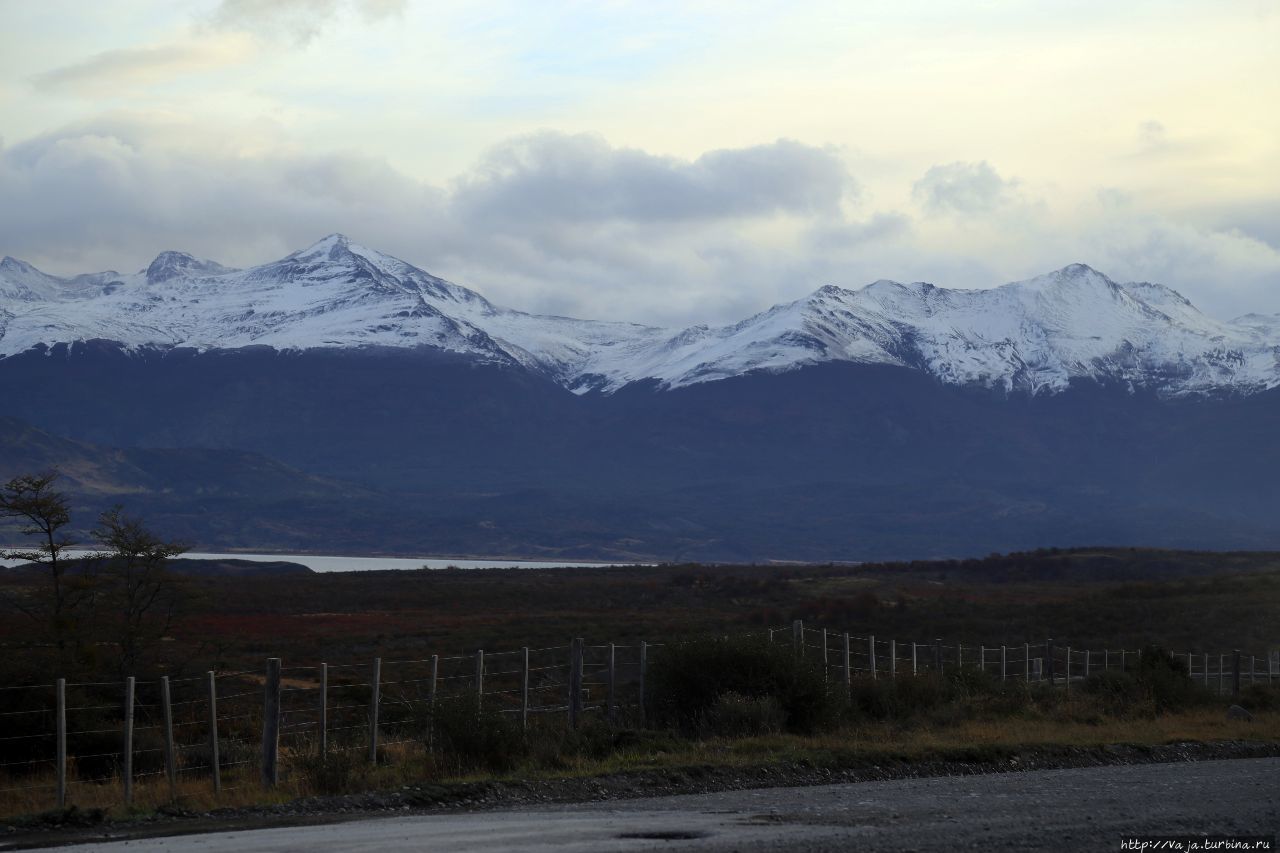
(867, 745)
(1087, 598)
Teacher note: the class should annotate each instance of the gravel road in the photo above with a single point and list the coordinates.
(1075, 809)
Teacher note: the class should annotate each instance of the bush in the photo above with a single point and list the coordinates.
(469, 737)
(695, 686)
(736, 715)
(1158, 684)
(335, 772)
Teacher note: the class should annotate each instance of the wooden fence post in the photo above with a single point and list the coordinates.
(61, 736)
(127, 750)
(797, 637)
(871, 655)
(1222, 674)
(825, 662)
(324, 711)
(432, 683)
(610, 694)
(575, 682)
(1048, 658)
(1066, 672)
(1004, 663)
(937, 655)
(524, 688)
(435, 679)
(1235, 674)
(644, 673)
(915, 669)
(1087, 655)
(893, 659)
(375, 699)
(1206, 670)
(982, 658)
(1026, 659)
(170, 751)
(479, 678)
(1123, 660)
(215, 762)
(848, 669)
(271, 725)
(959, 656)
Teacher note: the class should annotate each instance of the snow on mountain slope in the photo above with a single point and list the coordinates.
(1036, 335)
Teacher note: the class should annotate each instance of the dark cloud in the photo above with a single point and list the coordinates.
(571, 225)
(963, 188)
(582, 178)
(550, 223)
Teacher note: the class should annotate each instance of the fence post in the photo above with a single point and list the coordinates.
(1206, 670)
(893, 659)
(324, 711)
(915, 670)
(215, 763)
(797, 637)
(1048, 658)
(435, 679)
(1066, 672)
(937, 655)
(644, 671)
(982, 658)
(375, 698)
(848, 669)
(575, 682)
(959, 656)
(1235, 674)
(871, 655)
(610, 695)
(170, 752)
(1123, 660)
(825, 662)
(127, 751)
(61, 735)
(479, 678)
(431, 700)
(271, 725)
(524, 688)
(1004, 660)
(1026, 659)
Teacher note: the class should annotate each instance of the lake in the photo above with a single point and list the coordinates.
(330, 563)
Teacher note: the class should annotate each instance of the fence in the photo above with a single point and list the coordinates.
(221, 723)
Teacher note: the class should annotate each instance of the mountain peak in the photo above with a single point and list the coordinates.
(172, 264)
(332, 247)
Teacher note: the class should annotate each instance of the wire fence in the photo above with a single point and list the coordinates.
(56, 738)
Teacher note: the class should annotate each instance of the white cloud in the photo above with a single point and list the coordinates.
(298, 20)
(963, 188)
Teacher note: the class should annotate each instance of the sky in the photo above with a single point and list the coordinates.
(661, 162)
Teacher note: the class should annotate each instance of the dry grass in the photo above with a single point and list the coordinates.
(853, 745)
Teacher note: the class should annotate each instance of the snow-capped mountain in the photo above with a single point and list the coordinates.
(1036, 335)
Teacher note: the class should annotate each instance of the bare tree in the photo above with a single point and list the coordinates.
(43, 511)
(140, 597)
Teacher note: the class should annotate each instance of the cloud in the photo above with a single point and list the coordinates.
(1152, 135)
(551, 223)
(963, 188)
(112, 70)
(572, 225)
(297, 20)
(582, 178)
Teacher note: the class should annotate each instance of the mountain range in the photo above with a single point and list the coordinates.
(1035, 335)
(341, 399)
